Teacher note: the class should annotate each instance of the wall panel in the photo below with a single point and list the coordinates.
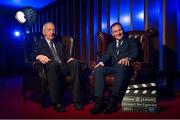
(155, 20)
(138, 14)
(83, 19)
(104, 15)
(113, 12)
(95, 28)
(170, 44)
(178, 34)
(87, 44)
(124, 14)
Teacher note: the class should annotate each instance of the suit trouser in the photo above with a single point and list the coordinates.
(56, 74)
(122, 75)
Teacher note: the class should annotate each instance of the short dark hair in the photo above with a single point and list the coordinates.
(117, 23)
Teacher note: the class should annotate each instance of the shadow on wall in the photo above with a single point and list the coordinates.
(170, 62)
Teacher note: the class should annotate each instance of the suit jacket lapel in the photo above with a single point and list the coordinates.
(46, 47)
(57, 47)
(114, 49)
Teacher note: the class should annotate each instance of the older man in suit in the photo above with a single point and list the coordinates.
(58, 63)
(120, 53)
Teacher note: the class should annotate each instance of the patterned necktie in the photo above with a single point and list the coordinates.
(118, 43)
(117, 47)
(54, 52)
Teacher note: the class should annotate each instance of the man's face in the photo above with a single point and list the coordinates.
(117, 32)
(49, 31)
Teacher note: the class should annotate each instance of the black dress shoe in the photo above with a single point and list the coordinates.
(111, 108)
(59, 108)
(97, 109)
(78, 105)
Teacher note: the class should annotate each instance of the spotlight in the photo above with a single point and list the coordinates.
(17, 33)
(26, 16)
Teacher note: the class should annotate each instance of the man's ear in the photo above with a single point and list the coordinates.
(43, 33)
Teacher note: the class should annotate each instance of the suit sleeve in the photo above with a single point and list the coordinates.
(35, 51)
(105, 57)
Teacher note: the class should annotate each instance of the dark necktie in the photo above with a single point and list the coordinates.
(54, 52)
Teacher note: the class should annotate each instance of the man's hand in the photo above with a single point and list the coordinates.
(125, 61)
(43, 59)
(100, 64)
(70, 59)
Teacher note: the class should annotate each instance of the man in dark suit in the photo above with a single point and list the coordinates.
(117, 60)
(57, 63)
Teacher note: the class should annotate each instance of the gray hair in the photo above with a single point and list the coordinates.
(44, 26)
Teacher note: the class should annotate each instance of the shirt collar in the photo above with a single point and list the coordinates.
(48, 41)
(120, 41)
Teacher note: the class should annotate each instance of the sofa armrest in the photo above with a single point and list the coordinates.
(139, 65)
(83, 65)
(38, 66)
(92, 65)
(136, 65)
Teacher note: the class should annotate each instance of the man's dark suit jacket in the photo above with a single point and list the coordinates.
(42, 47)
(128, 48)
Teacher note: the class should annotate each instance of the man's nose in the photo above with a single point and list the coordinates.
(119, 33)
(52, 32)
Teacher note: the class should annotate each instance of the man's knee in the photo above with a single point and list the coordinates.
(52, 64)
(99, 70)
(122, 68)
(75, 62)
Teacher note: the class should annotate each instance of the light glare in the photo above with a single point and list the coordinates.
(17, 33)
